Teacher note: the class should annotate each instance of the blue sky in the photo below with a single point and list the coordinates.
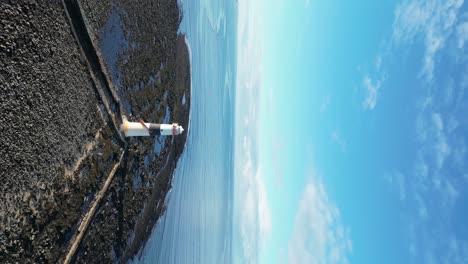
(351, 132)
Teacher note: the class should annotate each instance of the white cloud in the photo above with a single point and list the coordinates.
(372, 92)
(410, 17)
(433, 190)
(398, 179)
(435, 187)
(338, 139)
(252, 208)
(451, 193)
(442, 150)
(318, 236)
(253, 204)
(462, 34)
(372, 85)
(263, 207)
(277, 149)
(421, 206)
(378, 62)
(448, 93)
(249, 43)
(430, 191)
(459, 152)
(249, 60)
(432, 133)
(433, 20)
(421, 132)
(325, 103)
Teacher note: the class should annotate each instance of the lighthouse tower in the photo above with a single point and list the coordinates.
(142, 129)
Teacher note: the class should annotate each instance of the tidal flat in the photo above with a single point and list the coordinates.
(60, 111)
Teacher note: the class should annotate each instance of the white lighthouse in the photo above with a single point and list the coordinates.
(142, 129)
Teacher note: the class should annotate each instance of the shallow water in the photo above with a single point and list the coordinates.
(196, 227)
(112, 42)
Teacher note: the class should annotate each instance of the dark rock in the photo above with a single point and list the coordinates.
(49, 109)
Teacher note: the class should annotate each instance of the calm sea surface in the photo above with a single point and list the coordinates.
(197, 226)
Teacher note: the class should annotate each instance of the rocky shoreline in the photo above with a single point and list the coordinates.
(58, 145)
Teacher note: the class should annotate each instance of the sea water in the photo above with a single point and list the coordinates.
(197, 226)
